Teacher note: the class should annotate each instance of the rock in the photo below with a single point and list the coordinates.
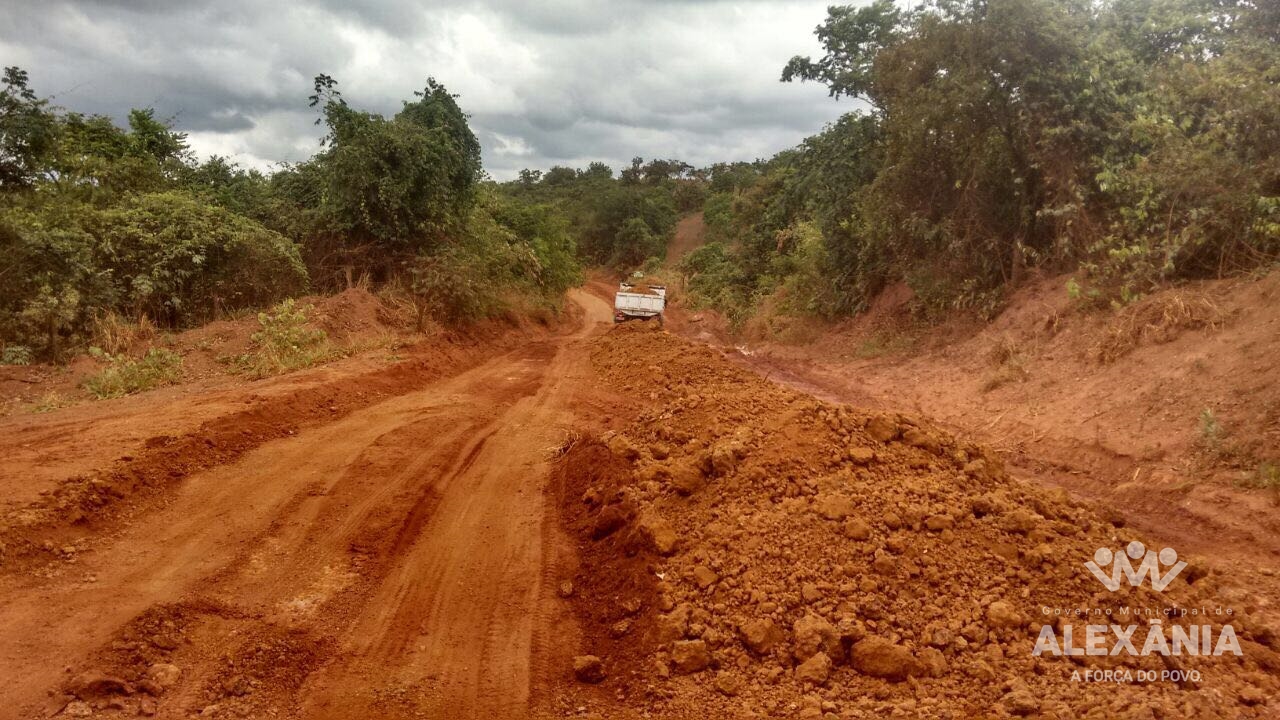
(94, 684)
(938, 523)
(984, 505)
(1250, 695)
(916, 437)
(940, 636)
(673, 625)
(1020, 702)
(814, 634)
(932, 662)
(237, 686)
(659, 451)
(856, 529)
(884, 563)
(761, 635)
(659, 535)
(1001, 614)
(814, 670)
(165, 642)
(687, 480)
(728, 683)
(588, 669)
(810, 593)
(833, 506)
(77, 708)
(882, 428)
(146, 707)
(164, 675)
(880, 658)
(609, 520)
(690, 656)
(704, 577)
(623, 447)
(565, 589)
(725, 457)
(861, 455)
(1020, 521)
(620, 628)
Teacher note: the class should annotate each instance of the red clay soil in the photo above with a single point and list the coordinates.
(1168, 411)
(440, 530)
(310, 553)
(814, 560)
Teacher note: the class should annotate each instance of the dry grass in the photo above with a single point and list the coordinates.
(124, 375)
(404, 306)
(50, 401)
(571, 440)
(1156, 320)
(115, 334)
(1007, 357)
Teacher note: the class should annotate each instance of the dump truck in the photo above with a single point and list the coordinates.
(635, 301)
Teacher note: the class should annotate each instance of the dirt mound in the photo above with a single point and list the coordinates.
(813, 560)
(641, 289)
(356, 312)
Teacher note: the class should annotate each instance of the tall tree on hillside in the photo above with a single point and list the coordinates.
(402, 184)
(852, 36)
(26, 130)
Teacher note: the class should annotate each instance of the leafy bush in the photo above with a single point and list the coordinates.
(125, 376)
(1134, 140)
(16, 355)
(163, 255)
(512, 255)
(716, 281)
(286, 341)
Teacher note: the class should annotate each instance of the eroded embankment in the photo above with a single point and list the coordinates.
(752, 551)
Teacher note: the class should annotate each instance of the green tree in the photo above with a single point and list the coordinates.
(398, 185)
(27, 130)
(853, 37)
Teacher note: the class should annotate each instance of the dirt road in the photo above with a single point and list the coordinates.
(394, 541)
(390, 563)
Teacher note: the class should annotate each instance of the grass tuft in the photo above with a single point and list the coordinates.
(125, 376)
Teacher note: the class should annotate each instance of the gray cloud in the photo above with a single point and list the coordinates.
(552, 82)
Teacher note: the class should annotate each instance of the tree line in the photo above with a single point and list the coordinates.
(99, 220)
(1135, 142)
(1132, 142)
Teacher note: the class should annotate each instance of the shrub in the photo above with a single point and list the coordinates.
(462, 282)
(49, 402)
(125, 376)
(162, 255)
(286, 341)
(115, 334)
(16, 355)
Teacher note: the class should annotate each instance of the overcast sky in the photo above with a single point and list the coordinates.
(546, 82)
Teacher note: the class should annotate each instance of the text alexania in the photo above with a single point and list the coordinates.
(1117, 639)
